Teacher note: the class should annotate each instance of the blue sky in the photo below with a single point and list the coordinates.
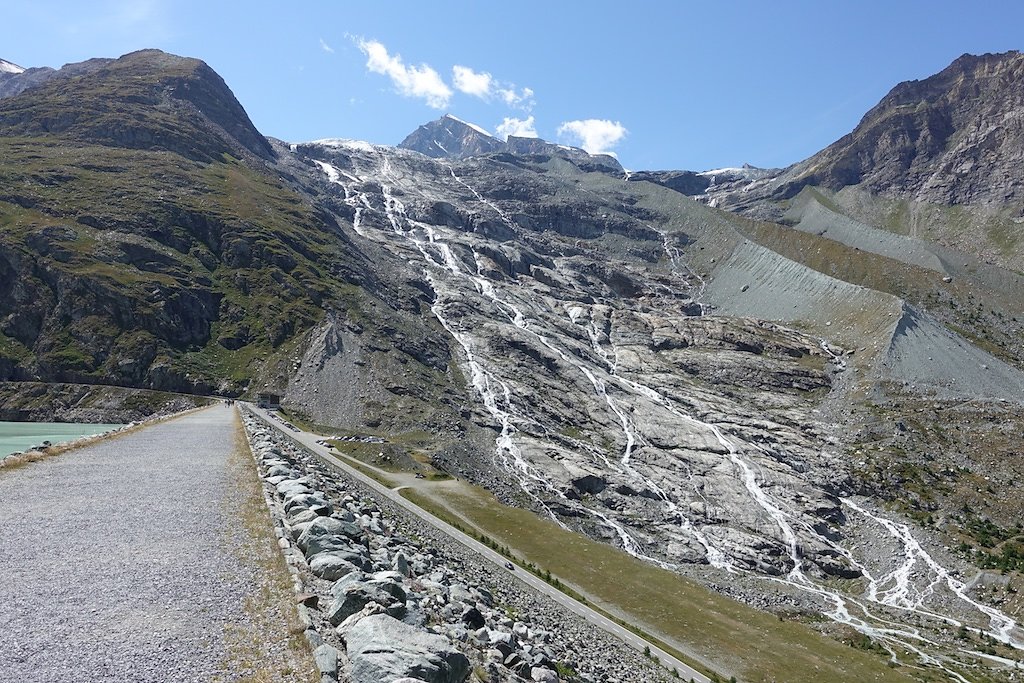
(665, 84)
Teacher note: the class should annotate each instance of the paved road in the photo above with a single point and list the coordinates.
(118, 559)
(310, 441)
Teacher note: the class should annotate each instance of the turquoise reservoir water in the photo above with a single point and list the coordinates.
(19, 436)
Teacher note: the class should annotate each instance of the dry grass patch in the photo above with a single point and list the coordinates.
(717, 632)
(271, 647)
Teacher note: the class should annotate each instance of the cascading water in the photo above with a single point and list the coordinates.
(896, 591)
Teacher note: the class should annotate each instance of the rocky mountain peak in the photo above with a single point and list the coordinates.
(953, 138)
(451, 138)
(129, 101)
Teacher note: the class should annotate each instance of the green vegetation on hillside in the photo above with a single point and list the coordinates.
(202, 269)
(759, 647)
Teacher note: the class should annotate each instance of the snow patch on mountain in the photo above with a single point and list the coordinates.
(10, 68)
(345, 143)
(467, 123)
(745, 172)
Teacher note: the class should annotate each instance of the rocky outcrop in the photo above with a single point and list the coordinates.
(953, 138)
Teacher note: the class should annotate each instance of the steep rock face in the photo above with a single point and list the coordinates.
(612, 398)
(954, 138)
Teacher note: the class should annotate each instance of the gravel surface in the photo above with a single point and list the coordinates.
(116, 558)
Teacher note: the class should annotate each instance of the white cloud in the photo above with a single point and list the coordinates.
(471, 82)
(521, 128)
(412, 81)
(325, 47)
(597, 136)
(522, 99)
(483, 85)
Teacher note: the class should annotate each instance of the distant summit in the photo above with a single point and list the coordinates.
(15, 79)
(9, 67)
(452, 138)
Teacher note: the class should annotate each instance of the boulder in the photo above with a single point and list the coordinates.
(473, 619)
(326, 658)
(590, 483)
(390, 587)
(382, 648)
(327, 527)
(300, 516)
(356, 596)
(368, 611)
(280, 471)
(460, 593)
(484, 596)
(331, 544)
(309, 501)
(401, 565)
(542, 675)
(292, 486)
(333, 566)
(339, 586)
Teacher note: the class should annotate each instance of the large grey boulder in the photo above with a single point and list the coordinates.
(542, 675)
(300, 516)
(326, 658)
(335, 565)
(327, 527)
(331, 544)
(293, 486)
(311, 501)
(382, 648)
(339, 586)
(356, 596)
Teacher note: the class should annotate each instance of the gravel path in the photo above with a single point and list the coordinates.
(118, 560)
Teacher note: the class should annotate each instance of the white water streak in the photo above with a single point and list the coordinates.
(895, 589)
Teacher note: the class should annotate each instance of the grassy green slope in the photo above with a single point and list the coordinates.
(147, 238)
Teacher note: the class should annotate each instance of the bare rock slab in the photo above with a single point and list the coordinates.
(382, 648)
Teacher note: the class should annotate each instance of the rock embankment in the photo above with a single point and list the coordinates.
(391, 599)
